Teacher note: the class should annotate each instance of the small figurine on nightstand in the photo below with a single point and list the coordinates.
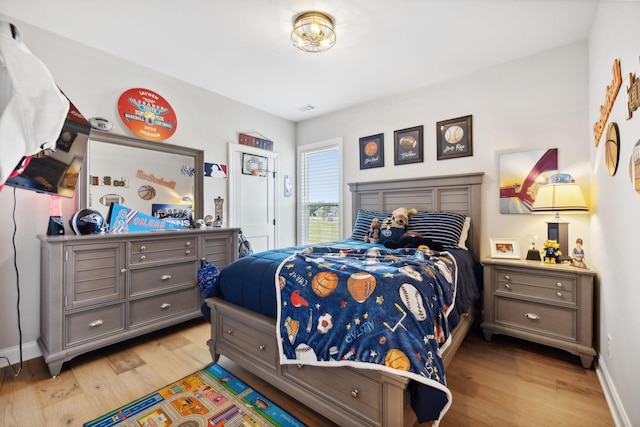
(551, 251)
(577, 259)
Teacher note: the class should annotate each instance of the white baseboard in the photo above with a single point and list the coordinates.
(29, 351)
(618, 413)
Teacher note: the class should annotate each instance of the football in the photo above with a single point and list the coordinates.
(361, 285)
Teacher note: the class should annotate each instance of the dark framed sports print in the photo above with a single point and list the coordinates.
(372, 151)
(408, 145)
(454, 138)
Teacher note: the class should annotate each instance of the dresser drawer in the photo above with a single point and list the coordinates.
(147, 310)
(255, 342)
(357, 392)
(150, 279)
(549, 320)
(92, 324)
(553, 288)
(148, 251)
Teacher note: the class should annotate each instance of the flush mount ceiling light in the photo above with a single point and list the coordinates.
(313, 32)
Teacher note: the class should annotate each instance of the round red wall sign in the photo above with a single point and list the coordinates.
(147, 114)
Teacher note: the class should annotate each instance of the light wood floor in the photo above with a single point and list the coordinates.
(506, 382)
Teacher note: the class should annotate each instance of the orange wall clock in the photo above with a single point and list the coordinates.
(147, 114)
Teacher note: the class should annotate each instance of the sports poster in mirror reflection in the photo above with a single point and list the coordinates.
(147, 114)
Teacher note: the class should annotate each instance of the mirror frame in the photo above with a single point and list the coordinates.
(127, 141)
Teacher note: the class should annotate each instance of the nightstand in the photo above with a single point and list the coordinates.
(551, 304)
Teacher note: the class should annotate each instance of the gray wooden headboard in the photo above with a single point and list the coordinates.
(451, 193)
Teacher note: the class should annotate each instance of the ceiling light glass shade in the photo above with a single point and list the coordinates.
(564, 197)
(313, 32)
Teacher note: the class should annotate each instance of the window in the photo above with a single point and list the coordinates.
(320, 178)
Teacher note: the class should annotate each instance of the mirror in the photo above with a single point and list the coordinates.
(155, 178)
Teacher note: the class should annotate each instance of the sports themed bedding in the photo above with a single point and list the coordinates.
(372, 308)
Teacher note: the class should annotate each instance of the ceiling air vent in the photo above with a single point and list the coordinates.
(306, 108)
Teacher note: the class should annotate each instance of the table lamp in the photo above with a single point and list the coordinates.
(561, 194)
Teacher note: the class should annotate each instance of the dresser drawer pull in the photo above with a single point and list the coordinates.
(559, 294)
(142, 248)
(262, 347)
(96, 323)
(506, 285)
(532, 316)
(354, 393)
(143, 257)
(559, 284)
(507, 277)
(187, 252)
(230, 331)
(188, 244)
(165, 277)
(165, 306)
(124, 270)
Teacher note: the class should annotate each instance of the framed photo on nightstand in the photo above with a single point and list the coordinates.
(505, 248)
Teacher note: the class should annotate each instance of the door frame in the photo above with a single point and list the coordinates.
(234, 148)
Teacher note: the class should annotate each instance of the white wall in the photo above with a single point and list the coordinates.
(615, 226)
(535, 103)
(94, 81)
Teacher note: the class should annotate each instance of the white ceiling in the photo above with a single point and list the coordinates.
(241, 48)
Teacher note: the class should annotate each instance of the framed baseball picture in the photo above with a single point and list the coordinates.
(372, 151)
(408, 145)
(454, 138)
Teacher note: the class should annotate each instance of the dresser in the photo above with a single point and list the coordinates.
(551, 304)
(98, 290)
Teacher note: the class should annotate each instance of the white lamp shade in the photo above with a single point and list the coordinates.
(561, 197)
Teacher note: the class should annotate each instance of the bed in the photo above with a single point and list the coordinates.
(244, 327)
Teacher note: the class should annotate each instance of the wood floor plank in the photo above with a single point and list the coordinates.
(505, 382)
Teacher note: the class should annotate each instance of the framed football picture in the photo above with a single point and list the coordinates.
(408, 145)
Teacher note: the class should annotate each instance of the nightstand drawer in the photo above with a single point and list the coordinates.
(550, 320)
(556, 288)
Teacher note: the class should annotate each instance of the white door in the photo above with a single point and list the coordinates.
(252, 197)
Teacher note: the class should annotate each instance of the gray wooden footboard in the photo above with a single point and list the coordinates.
(347, 396)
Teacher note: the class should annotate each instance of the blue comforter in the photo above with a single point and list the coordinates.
(250, 282)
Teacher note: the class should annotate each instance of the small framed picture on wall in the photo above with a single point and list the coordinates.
(454, 138)
(372, 151)
(408, 145)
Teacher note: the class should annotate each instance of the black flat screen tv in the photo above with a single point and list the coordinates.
(59, 172)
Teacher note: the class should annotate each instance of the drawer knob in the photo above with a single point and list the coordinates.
(559, 284)
(532, 316)
(124, 270)
(262, 347)
(507, 277)
(143, 257)
(230, 331)
(142, 248)
(559, 294)
(506, 285)
(165, 277)
(165, 306)
(96, 323)
(188, 244)
(187, 252)
(354, 393)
